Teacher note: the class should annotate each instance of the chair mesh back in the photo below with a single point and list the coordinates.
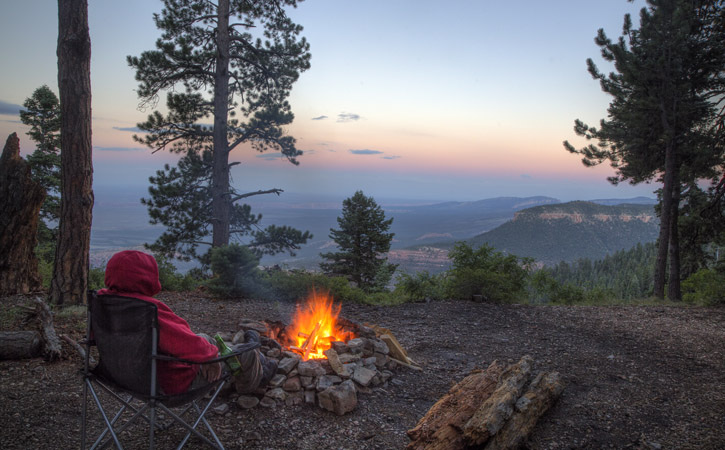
(123, 330)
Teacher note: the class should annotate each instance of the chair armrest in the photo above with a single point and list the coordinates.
(238, 350)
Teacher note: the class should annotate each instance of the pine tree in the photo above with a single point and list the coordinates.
(234, 62)
(363, 240)
(660, 121)
(42, 115)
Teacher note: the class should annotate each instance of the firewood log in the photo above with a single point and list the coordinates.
(441, 426)
(541, 394)
(51, 343)
(488, 409)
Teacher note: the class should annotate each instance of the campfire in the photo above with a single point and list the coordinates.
(323, 358)
(315, 326)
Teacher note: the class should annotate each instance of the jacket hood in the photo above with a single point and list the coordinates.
(131, 271)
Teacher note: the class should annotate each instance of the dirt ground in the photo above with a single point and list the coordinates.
(636, 377)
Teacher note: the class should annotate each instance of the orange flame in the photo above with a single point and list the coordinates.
(314, 326)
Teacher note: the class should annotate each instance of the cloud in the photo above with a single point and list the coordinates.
(319, 118)
(390, 157)
(270, 156)
(348, 117)
(10, 109)
(365, 152)
(526, 176)
(119, 149)
(133, 129)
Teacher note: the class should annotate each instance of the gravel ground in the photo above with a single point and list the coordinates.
(636, 377)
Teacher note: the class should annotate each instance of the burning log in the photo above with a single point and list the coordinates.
(488, 408)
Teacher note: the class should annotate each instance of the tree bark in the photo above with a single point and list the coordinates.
(20, 201)
(221, 196)
(70, 273)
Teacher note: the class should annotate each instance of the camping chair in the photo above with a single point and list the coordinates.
(125, 332)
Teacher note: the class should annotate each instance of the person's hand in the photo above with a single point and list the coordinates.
(211, 372)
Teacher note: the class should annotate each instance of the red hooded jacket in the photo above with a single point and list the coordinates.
(135, 274)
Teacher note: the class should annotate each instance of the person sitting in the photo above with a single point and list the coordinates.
(135, 274)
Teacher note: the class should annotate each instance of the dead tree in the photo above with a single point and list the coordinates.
(20, 202)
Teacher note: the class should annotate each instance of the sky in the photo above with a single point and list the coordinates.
(405, 99)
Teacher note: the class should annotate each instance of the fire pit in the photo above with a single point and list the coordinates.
(323, 359)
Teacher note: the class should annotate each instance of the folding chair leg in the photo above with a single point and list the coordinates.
(84, 416)
(152, 425)
(109, 425)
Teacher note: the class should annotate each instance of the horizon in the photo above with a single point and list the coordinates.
(434, 104)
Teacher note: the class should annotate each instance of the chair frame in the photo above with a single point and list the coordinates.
(154, 400)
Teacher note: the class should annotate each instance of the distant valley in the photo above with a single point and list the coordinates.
(541, 227)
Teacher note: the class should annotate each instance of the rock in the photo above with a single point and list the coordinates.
(347, 358)
(286, 365)
(276, 394)
(381, 347)
(277, 380)
(247, 401)
(339, 399)
(274, 353)
(380, 359)
(363, 376)
(310, 397)
(307, 381)
(335, 363)
(310, 368)
(292, 384)
(268, 402)
(294, 399)
(369, 361)
(248, 324)
(238, 338)
(356, 345)
(326, 381)
(289, 354)
(221, 409)
(340, 347)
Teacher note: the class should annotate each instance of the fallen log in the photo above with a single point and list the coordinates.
(20, 345)
(495, 408)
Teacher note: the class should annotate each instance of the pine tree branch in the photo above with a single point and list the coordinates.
(251, 194)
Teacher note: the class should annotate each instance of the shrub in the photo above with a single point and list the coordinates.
(297, 284)
(96, 278)
(237, 275)
(705, 287)
(172, 280)
(484, 271)
(420, 287)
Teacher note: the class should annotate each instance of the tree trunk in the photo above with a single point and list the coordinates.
(663, 243)
(674, 293)
(70, 273)
(221, 197)
(20, 202)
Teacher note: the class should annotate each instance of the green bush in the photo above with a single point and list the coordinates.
(172, 280)
(96, 278)
(420, 287)
(484, 271)
(705, 287)
(236, 272)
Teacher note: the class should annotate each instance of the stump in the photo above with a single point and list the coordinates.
(492, 409)
(20, 202)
